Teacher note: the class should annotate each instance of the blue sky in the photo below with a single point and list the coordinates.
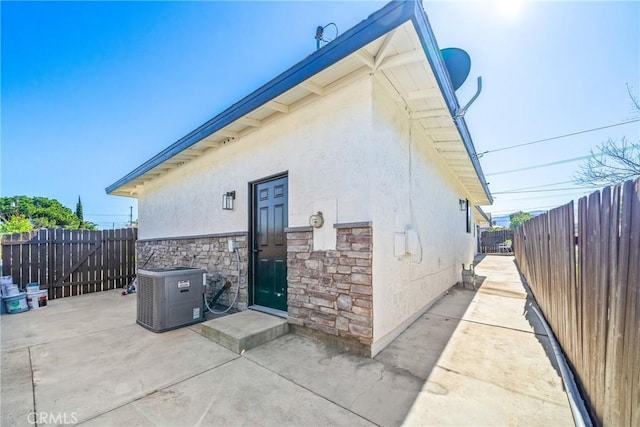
(90, 90)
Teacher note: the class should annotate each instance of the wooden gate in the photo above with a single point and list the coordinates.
(495, 242)
(70, 262)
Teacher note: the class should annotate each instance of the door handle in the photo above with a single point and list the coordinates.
(257, 250)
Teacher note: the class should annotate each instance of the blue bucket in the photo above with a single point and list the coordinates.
(16, 303)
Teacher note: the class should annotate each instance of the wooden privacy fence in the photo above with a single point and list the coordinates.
(70, 262)
(492, 242)
(589, 290)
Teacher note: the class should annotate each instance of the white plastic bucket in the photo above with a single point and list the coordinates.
(16, 304)
(5, 281)
(37, 299)
(33, 287)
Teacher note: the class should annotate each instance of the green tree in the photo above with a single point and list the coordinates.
(79, 213)
(85, 225)
(16, 224)
(42, 211)
(517, 218)
(88, 225)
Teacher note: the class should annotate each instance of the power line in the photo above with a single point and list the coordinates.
(509, 147)
(538, 186)
(544, 165)
(571, 194)
(569, 197)
(540, 191)
(539, 208)
(559, 162)
(527, 209)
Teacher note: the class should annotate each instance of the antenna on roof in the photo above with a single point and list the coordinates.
(462, 111)
(458, 64)
(320, 34)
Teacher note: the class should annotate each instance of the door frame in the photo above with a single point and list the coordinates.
(252, 185)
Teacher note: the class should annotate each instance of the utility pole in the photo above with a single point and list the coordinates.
(130, 216)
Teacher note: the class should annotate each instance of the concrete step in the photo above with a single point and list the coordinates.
(245, 330)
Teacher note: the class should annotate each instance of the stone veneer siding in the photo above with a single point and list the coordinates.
(330, 291)
(211, 252)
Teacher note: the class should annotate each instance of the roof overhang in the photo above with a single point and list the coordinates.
(396, 45)
(482, 218)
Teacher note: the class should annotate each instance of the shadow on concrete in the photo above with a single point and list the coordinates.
(534, 321)
(418, 348)
(416, 352)
(383, 389)
(480, 280)
(478, 258)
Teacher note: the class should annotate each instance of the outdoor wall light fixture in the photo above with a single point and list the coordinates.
(463, 204)
(227, 200)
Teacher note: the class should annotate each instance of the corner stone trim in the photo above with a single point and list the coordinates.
(331, 291)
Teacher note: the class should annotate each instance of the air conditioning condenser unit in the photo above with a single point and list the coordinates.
(170, 297)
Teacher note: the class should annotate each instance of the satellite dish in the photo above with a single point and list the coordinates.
(458, 64)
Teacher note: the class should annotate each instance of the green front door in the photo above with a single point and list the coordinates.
(270, 243)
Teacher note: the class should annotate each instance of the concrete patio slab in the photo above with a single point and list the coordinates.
(496, 369)
(16, 402)
(502, 277)
(97, 372)
(453, 399)
(506, 312)
(238, 393)
(473, 358)
(418, 349)
(506, 358)
(62, 319)
(491, 307)
(454, 304)
(503, 289)
(367, 387)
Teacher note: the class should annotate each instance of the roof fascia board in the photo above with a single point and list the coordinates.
(483, 214)
(377, 24)
(430, 46)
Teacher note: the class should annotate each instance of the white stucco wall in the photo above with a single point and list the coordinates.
(318, 146)
(414, 193)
